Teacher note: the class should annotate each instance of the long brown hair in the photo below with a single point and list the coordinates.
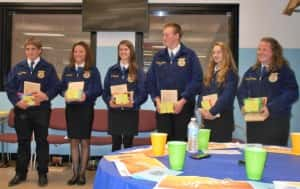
(278, 59)
(133, 67)
(89, 61)
(227, 64)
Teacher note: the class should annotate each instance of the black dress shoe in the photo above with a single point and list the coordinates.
(17, 179)
(81, 180)
(73, 180)
(43, 181)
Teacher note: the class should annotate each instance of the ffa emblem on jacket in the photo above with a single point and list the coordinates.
(181, 62)
(273, 77)
(86, 74)
(41, 74)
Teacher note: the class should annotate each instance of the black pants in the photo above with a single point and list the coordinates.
(175, 124)
(27, 122)
(117, 141)
(221, 128)
(122, 126)
(273, 131)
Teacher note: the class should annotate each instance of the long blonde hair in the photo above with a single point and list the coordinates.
(227, 64)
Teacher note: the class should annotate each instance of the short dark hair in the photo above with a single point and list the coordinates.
(176, 27)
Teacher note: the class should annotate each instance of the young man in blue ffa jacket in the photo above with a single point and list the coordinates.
(32, 115)
(174, 68)
(270, 77)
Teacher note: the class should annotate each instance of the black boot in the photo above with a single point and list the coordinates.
(81, 180)
(73, 180)
(17, 179)
(43, 180)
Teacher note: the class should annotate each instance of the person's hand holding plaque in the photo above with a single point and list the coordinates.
(75, 92)
(72, 95)
(253, 105)
(168, 101)
(32, 95)
(22, 105)
(121, 99)
(207, 103)
(120, 95)
(39, 97)
(255, 109)
(130, 102)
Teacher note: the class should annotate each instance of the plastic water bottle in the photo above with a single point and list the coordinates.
(193, 130)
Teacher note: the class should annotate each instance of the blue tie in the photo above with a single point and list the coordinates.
(123, 72)
(79, 70)
(263, 71)
(172, 57)
(31, 66)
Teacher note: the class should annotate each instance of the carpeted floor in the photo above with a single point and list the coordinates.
(57, 178)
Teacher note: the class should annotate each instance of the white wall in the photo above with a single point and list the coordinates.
(264, 18)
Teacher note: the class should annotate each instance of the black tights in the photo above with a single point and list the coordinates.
(117, 141)
(80, 150)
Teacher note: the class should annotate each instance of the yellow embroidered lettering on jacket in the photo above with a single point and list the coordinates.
(250, 78)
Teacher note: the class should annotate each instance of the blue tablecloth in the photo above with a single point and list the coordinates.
(278, 167)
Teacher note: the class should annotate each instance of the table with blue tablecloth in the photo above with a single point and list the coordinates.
(278, 167)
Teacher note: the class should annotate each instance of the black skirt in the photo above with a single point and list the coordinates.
(123, 122)
(79, 119)
(272, 131)
(221, 128)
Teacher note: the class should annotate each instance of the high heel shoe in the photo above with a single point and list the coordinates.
(73, 180)
(81, 180)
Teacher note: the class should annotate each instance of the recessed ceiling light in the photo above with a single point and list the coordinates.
(45, 34)
(47, 48)
(158, 46)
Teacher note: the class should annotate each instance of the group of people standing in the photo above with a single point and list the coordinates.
(174, 68)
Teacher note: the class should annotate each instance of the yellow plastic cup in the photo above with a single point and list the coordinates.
(158, 141)
(295, 143)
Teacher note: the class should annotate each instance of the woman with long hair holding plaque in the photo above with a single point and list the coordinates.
(273, 79)
(218, 93)
(124, 92)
